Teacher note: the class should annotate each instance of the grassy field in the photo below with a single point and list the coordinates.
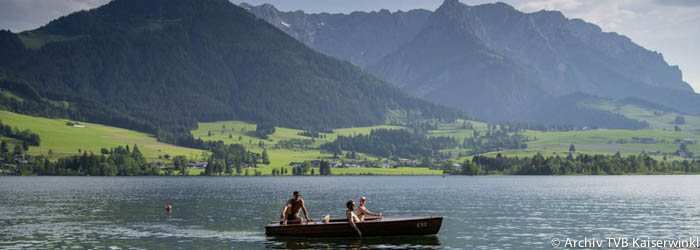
(455, 129)
(546, 143)
(243, 133)
(65, 140)
(657, 119)
(600, 140)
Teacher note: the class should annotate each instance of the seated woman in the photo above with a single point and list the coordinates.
(362, 210)
(352, 217)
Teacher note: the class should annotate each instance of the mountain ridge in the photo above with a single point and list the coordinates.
(559, 56)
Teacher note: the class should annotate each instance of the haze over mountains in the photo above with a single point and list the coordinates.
(162, 65)
(496, 62)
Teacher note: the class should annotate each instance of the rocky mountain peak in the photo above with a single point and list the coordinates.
(245, 5)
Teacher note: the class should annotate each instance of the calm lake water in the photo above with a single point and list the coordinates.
(230, 212)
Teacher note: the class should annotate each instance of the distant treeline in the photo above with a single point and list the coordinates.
(225, 159)
(390, 142)
(578, 165)
(26, 136)
(126, 161)
(495, 139)
(121, 161)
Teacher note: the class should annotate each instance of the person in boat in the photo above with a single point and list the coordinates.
(290, 212)
(352, 217)
(362, 210)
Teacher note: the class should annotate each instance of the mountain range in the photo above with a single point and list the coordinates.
(494, 61)
(161, 66)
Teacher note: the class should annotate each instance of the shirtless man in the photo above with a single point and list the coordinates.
(290, 213)
(362, 210)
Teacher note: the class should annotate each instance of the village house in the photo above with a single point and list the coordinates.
(197, 165)
(645, 140)
(243, 165)
(408, 161)
(685, 141)
(255, 155)
(159, 165)
(7, 172)
(315, 163)
(686, 154)
(21, 160)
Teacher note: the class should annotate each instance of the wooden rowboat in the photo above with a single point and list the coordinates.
(339, 227)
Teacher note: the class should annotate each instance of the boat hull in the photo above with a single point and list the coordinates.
(387, 226)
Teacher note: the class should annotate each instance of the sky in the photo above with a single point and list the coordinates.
(670, 27)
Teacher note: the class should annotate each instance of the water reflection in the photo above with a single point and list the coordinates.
(394, 242)
(479, 212)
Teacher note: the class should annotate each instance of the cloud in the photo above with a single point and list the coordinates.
(20, 15)
(689, 3)
(551, 5)
(609, 15)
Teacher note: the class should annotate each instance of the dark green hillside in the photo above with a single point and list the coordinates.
(163, 65)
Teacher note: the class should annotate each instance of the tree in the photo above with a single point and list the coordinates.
(136, 153)
(3, 147)
(265, 157)
(680, 120)
(470, 168)
(304, 168)
(262, 130)
(426, 163)
(18, 150)
(180, 163)
(230, 136)
(572, 148)
(684, 148)
(325, 168)
(104, 151)
(676, 128)
(448, 168)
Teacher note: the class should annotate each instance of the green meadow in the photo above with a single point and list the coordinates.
(603, 140)
(64, 140)
(599, 141)
(244, 133)
(657, 119)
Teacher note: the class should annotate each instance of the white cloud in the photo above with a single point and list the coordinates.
(604, 13)
(608, 15)
(551, 5)
(20, 15)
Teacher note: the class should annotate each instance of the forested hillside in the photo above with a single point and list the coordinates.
(161, 66)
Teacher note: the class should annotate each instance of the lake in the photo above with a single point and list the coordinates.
(230, 212)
